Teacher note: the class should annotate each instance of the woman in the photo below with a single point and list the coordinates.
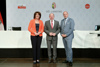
(36, 29)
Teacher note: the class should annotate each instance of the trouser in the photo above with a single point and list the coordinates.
(54, 44)
(36, 43)
(68, 49)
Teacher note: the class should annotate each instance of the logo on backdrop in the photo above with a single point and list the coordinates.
(87, 6)
(53, 5)
(21, 7)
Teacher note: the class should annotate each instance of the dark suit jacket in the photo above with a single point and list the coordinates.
(48, 29)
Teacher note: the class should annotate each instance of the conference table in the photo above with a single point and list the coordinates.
(21, 39)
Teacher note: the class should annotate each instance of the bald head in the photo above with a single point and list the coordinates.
(51, 16)
(65, 14)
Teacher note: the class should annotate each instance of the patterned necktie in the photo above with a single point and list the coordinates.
(52, 24)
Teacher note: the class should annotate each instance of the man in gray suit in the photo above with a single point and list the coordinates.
(67, 28)
(52, 29)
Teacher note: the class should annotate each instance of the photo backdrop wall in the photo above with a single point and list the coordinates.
(85, 13)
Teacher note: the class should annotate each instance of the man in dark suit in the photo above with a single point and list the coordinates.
(52, 29)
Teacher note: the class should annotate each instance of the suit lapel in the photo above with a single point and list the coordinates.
(63, 23)
(34, 24)
(54, 24)
(49, 23)
(67, 21)
(39, 25)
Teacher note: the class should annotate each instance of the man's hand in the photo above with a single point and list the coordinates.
(51, 34)
(54, 34)
(64, 35)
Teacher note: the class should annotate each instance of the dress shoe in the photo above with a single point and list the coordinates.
(65, 61)
(38, 61)
(54, 61)
(49, 61)
(34, 62)
(70, 63)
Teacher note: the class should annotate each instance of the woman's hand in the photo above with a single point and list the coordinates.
(39, 33)
(36, 33)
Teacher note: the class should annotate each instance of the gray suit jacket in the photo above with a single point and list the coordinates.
(67, 28)
(48, 29)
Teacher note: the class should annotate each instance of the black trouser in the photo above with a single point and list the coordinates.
(36, 43)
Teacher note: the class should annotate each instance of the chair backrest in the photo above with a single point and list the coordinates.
(97, 27)
(16, 28)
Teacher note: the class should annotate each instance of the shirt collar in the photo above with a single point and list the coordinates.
(66, 18)
(50, 21)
